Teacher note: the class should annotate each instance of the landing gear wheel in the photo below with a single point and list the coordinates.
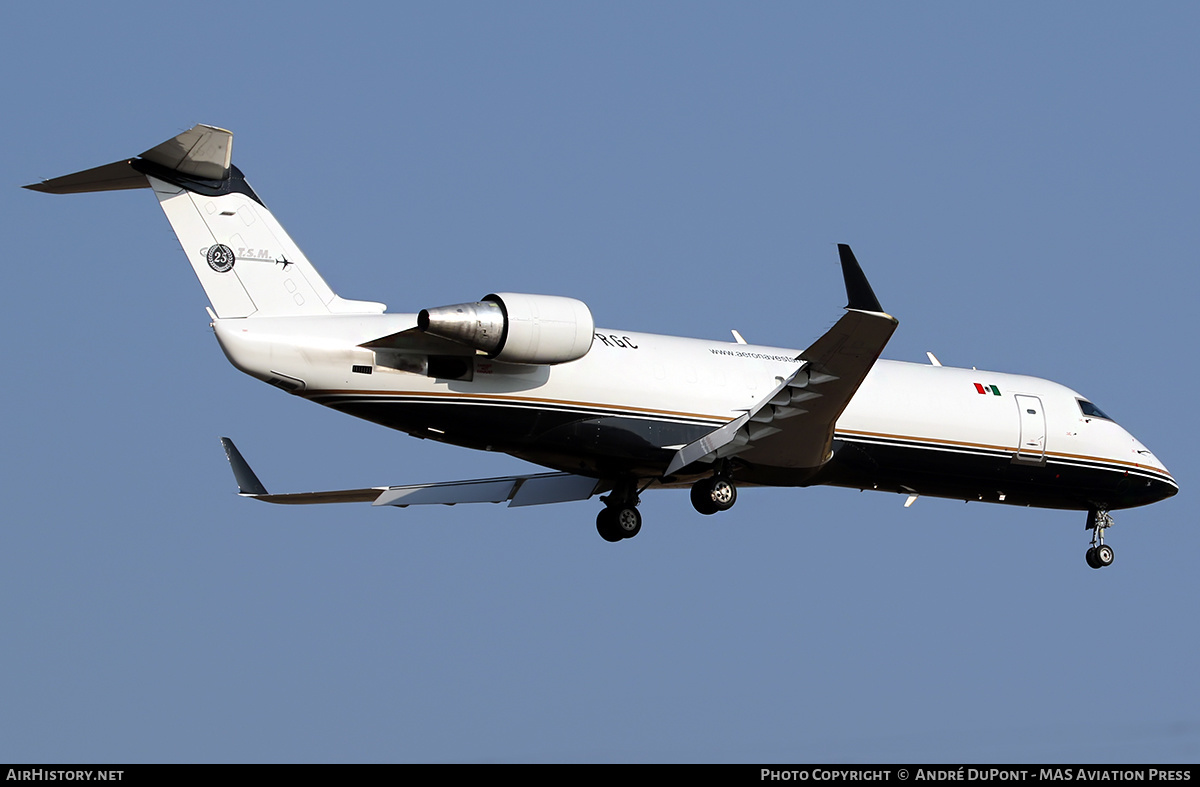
(1104, 556)
(702, 497)
(710, 495)
(1090, 557)
(723, 493)
(606, 526)
(615, 523)
(627, 520)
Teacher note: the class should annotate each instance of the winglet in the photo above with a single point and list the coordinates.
(858, 289)
(247, 481)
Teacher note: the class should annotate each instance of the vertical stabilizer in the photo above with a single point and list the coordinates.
(248, 265)
(245, 261)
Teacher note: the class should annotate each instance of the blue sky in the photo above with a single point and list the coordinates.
(1018, 180)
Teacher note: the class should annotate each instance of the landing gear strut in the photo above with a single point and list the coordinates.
(1099, 554)
(710, 495)
(619, 519)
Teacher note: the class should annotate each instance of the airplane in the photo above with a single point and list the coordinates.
(616, 413)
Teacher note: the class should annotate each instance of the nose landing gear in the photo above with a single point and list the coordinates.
(1099, 554)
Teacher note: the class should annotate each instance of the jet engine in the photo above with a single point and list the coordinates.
(516, 328)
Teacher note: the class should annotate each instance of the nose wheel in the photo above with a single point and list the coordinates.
(1099, 557)
(1099, 554)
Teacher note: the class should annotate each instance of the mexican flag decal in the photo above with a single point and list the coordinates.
(987, 389)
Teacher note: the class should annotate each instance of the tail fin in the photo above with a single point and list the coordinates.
(245, 261)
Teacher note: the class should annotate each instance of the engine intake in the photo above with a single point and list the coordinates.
(516, 328)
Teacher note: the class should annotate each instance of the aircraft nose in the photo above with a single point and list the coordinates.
(1167, 487)
(1163, 489)
(1141, 488)
(1160, 485)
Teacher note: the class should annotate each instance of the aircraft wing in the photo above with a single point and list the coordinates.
(799, 432)
(522, 490)
(793, 426)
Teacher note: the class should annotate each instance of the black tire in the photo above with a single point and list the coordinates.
(606, 526)
(702, 497)
(1090, 557)
(1104, 555)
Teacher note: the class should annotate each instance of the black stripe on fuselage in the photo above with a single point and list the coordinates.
(565, 436)
(610, 443)
(1050, 458)
(986, 473)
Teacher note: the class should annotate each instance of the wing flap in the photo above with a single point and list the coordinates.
(553, 488)
(521, 490)
(321, 498)
(492, 490)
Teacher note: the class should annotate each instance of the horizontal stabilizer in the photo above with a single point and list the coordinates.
(202, 152)
(110, 177)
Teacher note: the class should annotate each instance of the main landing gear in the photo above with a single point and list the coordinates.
(710, 495)
(619, 519)
(1099, 554)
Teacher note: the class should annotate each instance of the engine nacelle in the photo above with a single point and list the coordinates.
(516, 328)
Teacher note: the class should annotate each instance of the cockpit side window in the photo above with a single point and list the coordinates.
(1091, 411)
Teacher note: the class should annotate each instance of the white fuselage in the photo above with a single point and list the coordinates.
(910, 427)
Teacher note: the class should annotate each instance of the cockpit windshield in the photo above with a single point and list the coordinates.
(1092, 411)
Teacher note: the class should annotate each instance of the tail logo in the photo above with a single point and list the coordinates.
(220, 258)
